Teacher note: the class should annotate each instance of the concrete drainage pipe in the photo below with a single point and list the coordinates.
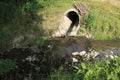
(70, 24)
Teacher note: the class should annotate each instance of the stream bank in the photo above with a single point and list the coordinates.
(37, 61)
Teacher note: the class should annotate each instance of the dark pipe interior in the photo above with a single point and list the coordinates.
(73, 16)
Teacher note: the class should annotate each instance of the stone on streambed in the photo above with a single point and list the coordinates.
(74, 60)
(75, 53)
(94, 54)
(111, 56)
(79, 53)
(84, 55)
(91, 55)
(110, 53)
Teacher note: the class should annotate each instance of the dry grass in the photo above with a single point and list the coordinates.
(112, 2)
(105, 12)
(53, 14)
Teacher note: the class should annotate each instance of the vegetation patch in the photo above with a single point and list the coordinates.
(102, 21)
(99, 70)
(31, 19)
(6, 65)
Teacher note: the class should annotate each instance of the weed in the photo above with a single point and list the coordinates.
(105, 69)
(6, 65)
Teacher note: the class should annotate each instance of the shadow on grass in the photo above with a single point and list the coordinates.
(19, 18)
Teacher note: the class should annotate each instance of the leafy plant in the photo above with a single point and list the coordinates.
(105, 69)
(6, 65)
(100, 70)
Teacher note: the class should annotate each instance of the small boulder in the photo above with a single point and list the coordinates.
(74, 60)
(82, 53)
(94, 54)
(75, 53)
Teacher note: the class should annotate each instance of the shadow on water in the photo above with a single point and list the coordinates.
(85, 43)
(68, 45)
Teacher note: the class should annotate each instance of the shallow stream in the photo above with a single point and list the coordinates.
(69, 45)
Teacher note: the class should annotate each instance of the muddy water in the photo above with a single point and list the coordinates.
(84, 42)
(105, 44)
(68, 45)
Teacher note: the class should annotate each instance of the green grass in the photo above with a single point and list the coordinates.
(102, 21)
(106, 69)
(6, 65)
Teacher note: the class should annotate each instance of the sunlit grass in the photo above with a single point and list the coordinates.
(102, 21)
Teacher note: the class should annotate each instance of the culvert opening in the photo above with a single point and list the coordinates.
(69, 25)
(73, 16)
